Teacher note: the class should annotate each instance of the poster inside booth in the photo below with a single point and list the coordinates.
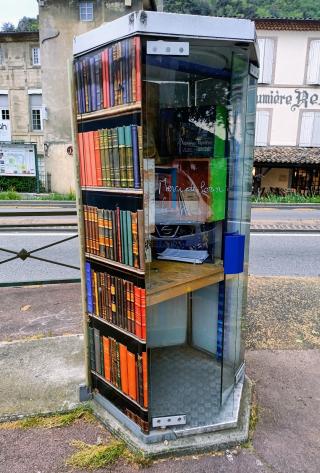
(17, 159)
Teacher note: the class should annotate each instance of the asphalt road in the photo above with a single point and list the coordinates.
(33, 270)
(272, 254)
(294, 214)
(283, 254)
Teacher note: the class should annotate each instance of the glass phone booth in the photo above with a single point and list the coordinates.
(165, 143)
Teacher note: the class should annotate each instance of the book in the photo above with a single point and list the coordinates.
(92, 348)
(106, 354)
(97, 350)
(89, 287)
(124, 368)
(129, 156)
(122, 157)
(132, 380)
(135, 157)
(140, 222)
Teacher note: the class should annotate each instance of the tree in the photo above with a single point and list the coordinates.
(8, 27)
(28, 24)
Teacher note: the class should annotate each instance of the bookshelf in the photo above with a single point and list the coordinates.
(163, 163)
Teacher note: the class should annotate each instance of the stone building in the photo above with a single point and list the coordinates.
(59, 22)
(287, 154)
(21, 108)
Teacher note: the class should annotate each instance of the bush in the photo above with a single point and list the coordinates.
(18, 184)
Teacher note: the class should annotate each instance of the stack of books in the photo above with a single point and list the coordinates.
(117, 301)
(109, 78)
(125, 370)
(117, 235)
(111, 157)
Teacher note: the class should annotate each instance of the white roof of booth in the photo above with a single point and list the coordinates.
(166, 24)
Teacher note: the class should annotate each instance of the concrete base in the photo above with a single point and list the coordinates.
(190, 444)
(40, 376)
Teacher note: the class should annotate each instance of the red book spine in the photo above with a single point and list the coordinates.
(87, 166)
(138, 68)
(137, 311)
(92, 162)
(97, 157)
(81, 159)
(143, 314)
(145, 379)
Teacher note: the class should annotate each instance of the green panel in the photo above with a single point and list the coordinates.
(218, 186)
(220, 132)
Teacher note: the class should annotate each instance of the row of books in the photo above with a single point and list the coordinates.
(125, 370)
(111, 157)
(111, 77)
(116, 300)
(117, 235)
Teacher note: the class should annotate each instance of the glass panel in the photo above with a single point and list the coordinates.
(243, 97)
(194, 104)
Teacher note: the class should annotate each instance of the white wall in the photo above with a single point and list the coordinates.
(291, 53)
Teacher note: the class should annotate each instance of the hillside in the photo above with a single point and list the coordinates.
(247, 8)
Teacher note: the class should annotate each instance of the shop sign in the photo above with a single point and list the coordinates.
(298, 99)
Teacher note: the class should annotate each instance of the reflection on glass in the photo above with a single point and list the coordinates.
(194, 141)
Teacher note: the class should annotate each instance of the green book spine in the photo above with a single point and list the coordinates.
(129, 233)
(218, 187)
(91, 348)
(122, 154)
(123, 246)
(116, 157)
(129, 155)
(125, 236)
(97, 350)
(220, 133)
(107, 158)
(103, 158)
(111, 160)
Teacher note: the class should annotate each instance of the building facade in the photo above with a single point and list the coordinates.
(287, 154)
(21, 108)
(59, 22)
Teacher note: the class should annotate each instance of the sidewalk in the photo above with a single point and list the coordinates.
(280, 318)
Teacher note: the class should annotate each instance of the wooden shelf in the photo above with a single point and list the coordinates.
(115, 264)
(114, 190)
(119, 329)
(170, 279)
(125, 109)
(118, 390)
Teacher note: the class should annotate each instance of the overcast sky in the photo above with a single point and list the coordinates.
(14, 10)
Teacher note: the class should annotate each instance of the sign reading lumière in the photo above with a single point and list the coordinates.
(293, 99)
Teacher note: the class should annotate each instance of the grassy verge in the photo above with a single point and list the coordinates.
(92, 457)
(287, 199)
(51, 421)
(13, 195)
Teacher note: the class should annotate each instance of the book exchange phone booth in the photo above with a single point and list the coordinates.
(165, 117)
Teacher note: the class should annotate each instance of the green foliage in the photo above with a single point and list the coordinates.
(10, 195)
(287, 199)
(247, 8)
(18, 184)
(28, 24)
(25, 24)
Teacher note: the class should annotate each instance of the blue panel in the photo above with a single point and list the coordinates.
(233, 253)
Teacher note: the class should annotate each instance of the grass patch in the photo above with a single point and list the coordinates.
(55, 196)
(95, 456)
(100, 456)
(51, 421)
(10, 195)
(287, 199)
(254, 418)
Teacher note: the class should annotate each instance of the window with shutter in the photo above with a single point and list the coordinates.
(4, 107)
(266, 49)
(262, 127)
(310, 129)
(36, 111)
(313, 71)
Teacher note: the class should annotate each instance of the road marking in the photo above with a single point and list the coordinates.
(285, 234)
(5, 234)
